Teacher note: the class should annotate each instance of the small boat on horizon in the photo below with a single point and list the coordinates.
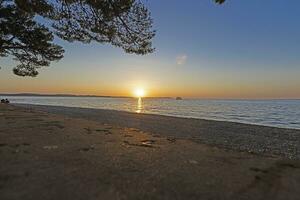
(178, 98)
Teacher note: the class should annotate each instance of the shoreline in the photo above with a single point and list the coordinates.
(236, 136)
(156, 114)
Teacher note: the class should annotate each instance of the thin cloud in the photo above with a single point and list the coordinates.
(181, 59)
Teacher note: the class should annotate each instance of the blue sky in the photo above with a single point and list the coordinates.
(242, 49)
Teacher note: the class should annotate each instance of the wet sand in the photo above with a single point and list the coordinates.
(67, 153)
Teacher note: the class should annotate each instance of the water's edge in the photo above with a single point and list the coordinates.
(49, 109)
(154, 114)
(229, 135)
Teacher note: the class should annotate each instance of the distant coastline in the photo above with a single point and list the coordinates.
(107, 96)
(69, 95)
(58, 95)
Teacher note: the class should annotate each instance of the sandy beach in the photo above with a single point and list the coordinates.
(229, 135)
(50, 152)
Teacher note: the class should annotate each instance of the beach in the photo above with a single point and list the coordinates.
(229, 135)
(52, 152)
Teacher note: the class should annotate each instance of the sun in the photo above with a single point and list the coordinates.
(139, 92)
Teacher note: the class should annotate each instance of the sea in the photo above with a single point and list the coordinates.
(275, 113)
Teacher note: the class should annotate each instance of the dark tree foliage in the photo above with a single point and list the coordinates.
(27, 28)
(219, 1)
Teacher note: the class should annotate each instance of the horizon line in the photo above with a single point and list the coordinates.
(113, 96)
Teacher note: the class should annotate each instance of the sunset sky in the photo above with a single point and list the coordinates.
(242, 49)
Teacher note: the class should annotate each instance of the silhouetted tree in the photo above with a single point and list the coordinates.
(219, 1)
(27, 28)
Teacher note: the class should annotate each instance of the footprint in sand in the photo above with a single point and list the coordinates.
(171, 140)
(127, 135)
(105, 131)
(144, 143)
(18, 145)
(89, 131)
(258, 170)
(194, 162)
(157, 136)
(148, 142)
(107, 126)
(16, 148)
(14, 145)
(133, 129)
(87, 148)
(50, 147)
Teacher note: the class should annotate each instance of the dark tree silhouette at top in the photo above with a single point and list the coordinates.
(219, 1)
(27, 28)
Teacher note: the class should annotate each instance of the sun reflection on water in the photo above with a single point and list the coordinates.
(139, 105)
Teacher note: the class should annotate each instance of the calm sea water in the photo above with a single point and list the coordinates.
(278, 113)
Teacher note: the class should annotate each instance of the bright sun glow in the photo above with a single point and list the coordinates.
(139, 92)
